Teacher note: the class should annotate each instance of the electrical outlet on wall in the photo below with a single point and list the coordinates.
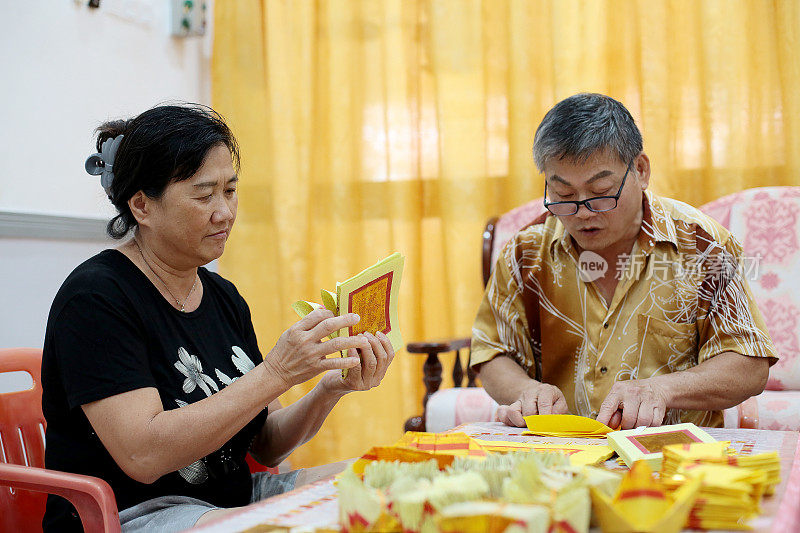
(189, 17)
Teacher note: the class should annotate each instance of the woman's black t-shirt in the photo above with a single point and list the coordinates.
(110, 331)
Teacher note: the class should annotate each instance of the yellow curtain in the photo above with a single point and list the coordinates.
(380, 125)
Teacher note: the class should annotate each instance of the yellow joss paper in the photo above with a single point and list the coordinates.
(719, 453)
(417, 503)
(602, 479)
(646, 444)
(729, 496)
(420, 446)
(570, 426)
(579, 454)
(372, 294)
(540, 479)
(493, 517)
(381, 474)
(452, 444)
(361, 507)
(677, 454)
(403, 455)
(642, 504)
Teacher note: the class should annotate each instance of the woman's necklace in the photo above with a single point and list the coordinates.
(182, 304)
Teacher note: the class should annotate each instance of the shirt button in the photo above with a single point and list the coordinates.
(603, 370)
(605, 326)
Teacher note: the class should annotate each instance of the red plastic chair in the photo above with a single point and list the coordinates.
(22, 428)
(24, 484)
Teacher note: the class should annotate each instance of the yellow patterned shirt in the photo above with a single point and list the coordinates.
(682, 297)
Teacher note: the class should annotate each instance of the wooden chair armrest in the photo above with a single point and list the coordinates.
(91, 496)
(432, 371)
(448, 345)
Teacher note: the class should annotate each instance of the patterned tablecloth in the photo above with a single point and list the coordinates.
(315, 506)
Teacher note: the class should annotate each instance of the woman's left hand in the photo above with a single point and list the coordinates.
(375, 361)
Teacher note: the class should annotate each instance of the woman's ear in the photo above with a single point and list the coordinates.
(140, 207)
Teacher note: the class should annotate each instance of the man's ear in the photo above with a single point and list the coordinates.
(641, 165)
(141, 207)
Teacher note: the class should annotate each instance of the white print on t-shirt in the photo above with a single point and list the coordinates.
(190, 366)
(242, 363)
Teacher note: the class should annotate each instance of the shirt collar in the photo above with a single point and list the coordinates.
(656, 227)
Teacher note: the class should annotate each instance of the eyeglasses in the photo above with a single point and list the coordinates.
(598, 204)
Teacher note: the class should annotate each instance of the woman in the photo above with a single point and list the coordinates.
(153, 379)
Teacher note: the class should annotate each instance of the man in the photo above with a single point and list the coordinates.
(617, 304)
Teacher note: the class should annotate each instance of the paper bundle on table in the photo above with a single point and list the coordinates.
(731, 485)
(643, 504)
(646, 444)
(568, 426)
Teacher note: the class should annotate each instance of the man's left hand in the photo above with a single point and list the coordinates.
(633, 403)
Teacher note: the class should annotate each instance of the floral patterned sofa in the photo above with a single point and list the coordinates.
(767, 223)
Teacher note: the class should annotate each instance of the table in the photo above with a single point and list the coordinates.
(315, 505)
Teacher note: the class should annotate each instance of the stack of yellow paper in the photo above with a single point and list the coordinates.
(647, 443)
(642, 504)
(676, 455)
(718, 453)
(569, 426)
(732, 485)
(400, 454)
(769, 463)
(728, 497)
(419, 446)
(579, 454)
(455, 444)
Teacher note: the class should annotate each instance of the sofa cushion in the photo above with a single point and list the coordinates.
(767, 223)
(448, 408)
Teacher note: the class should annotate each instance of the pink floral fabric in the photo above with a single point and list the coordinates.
(513, 221)
(779, 410)
(767, 223)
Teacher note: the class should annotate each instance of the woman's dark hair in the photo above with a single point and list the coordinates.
(164, 144)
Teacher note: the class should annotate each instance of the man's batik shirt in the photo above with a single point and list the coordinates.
(682, 298)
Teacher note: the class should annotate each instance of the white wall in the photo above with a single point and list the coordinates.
(31, 271)
(64, 69)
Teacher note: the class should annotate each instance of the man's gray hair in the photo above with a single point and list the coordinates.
(578, 126)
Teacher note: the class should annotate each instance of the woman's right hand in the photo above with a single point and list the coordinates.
(300, 353)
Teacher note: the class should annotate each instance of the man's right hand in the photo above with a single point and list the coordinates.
(539, 399)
